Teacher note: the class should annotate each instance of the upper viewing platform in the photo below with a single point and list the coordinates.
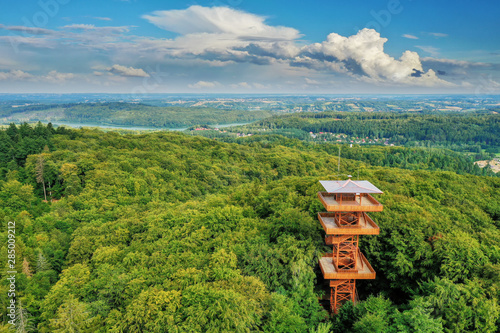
(349, 196)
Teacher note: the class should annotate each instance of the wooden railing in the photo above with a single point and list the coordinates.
(334, 202)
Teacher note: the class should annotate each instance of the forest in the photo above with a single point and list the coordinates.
(414, 158)
(168, 232)
(130, 114)
(469, 131)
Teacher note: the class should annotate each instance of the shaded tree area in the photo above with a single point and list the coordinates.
(17, 142)
(166, 232)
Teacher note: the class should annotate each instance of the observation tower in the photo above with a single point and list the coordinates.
(347, 203)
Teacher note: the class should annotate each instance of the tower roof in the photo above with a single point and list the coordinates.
(349, 186)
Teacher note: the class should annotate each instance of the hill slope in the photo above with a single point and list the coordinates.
(467, 131)
(128, 114)
(168, 232)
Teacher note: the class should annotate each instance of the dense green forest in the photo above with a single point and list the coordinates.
(458, 131)
(166, 232)
(378, 155)
(130, 114)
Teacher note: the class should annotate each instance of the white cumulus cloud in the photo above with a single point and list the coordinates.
(102, 18)
(409, 36)
(204, 84)
(363, 55)
(15, 75)
(311, 81)
(91, 27)
(219, 20)
(128, 71)
(28, 30)
(433, 51)
(438, 34)
(56, 77)
(222, 34)
(241, 85)
(52, 77)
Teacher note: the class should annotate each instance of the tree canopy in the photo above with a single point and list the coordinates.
(166, 232)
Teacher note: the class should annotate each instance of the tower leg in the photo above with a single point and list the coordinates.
(341, 292)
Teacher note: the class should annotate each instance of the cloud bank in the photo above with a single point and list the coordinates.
(51, 77)
(228, 35)
(222, 47)
(219, 20)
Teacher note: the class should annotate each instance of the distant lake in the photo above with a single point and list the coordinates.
(138, 128)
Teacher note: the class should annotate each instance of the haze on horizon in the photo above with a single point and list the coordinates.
(242, 46)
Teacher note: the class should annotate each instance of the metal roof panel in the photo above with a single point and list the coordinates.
(349, 186)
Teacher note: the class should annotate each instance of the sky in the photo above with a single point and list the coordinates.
(141, 47)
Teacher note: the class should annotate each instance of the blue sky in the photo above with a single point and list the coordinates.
(250, 46)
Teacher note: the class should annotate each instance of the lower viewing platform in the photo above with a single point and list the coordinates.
(364, 270)
(340, 202)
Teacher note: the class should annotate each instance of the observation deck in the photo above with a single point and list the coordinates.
(349, 196)
(363, 270)
(339, 202)
(346, 202)
(332, 224)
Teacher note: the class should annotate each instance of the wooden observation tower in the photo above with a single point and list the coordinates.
(346, 203)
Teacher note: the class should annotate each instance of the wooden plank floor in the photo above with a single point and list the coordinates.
(366, 226)
(329, 272)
